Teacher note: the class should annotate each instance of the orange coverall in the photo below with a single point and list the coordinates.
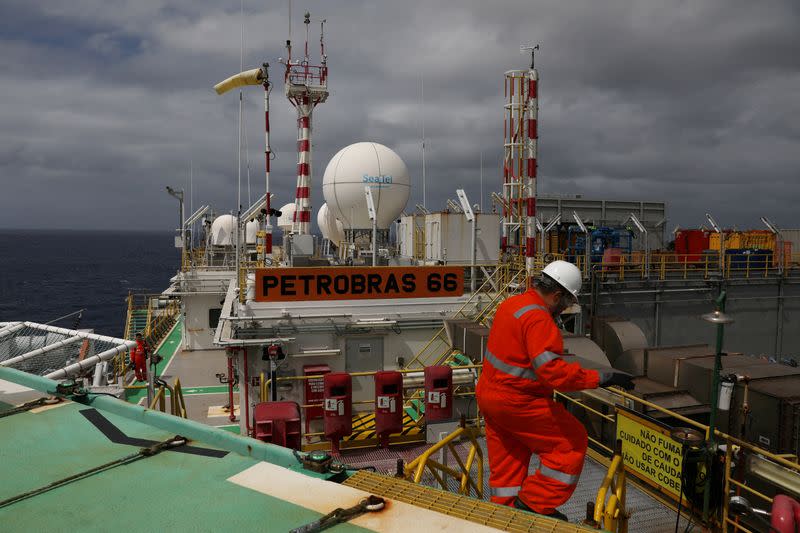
(522, 366)
(139, 359)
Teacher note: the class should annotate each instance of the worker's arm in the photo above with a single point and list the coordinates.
(544, 344)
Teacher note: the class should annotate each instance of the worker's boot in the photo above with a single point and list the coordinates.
(519, 504)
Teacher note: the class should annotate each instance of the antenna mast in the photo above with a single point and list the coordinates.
(306, 87)
(520, 146)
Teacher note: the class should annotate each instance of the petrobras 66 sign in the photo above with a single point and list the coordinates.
(357, 283)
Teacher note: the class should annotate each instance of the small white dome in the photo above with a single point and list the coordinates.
(360, 165)
(251, 231)
(223, 230)
(285, 220)
(331, 227)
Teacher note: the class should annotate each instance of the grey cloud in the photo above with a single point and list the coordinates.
(689, 102)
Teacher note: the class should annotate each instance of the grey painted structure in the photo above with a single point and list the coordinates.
(608, 213)
(766, 311)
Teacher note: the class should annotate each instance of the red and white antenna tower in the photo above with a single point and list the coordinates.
(306, 87)
(521, 112)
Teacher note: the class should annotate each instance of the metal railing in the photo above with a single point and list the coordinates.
(610, 512)
(442, 472)
(667, 266)
(177, 404)
(735, 451)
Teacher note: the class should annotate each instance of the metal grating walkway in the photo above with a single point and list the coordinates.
(477, 511)
(647, 514)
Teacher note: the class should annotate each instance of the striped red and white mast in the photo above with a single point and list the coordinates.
(306, 87)
(531, 141)
(267, 159)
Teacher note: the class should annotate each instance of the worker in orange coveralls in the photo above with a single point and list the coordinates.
(522, 366)
(139, 356)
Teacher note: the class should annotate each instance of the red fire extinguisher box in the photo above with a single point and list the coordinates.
(314, 392)
(338, 405)
(438, 393)
(388, 404)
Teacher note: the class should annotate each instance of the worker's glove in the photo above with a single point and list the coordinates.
(618, 379)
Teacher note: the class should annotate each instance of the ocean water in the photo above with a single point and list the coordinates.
(48, 274)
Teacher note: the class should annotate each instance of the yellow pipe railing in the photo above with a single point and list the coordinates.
(416, 468)
(177, 403)
(781, 459)
(609, 508)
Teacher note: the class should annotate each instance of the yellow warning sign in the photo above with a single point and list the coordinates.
(649, 451)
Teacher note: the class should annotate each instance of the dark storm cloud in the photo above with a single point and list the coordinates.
(695, 103)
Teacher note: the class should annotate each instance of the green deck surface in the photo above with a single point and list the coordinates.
(167, 492)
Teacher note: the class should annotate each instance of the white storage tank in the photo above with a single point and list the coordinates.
(366, 164)
(223, 231)
(330, 227)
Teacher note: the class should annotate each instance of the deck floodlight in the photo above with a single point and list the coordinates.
(713, 223)
(465, 207)
(718, 317)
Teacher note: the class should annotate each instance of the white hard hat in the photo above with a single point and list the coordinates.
(565, 274)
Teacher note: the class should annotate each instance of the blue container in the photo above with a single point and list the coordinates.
(743, 258)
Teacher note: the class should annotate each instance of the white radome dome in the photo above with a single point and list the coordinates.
(331, 228)
(223, 230)
(251, 231)
(357, 166)
(287, 214)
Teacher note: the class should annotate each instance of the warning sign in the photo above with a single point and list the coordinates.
(357, 283)
(649, 451)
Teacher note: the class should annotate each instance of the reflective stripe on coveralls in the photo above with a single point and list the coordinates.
(504, 492)
(518, 371)
(563, 477)
(535, 307)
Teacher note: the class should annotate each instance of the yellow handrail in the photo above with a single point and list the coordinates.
(609, 510)
(159, 399)
(178, 402)
(414, 470)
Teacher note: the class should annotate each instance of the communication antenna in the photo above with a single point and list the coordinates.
(306, 86)
(532, 50)
(422, 105)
